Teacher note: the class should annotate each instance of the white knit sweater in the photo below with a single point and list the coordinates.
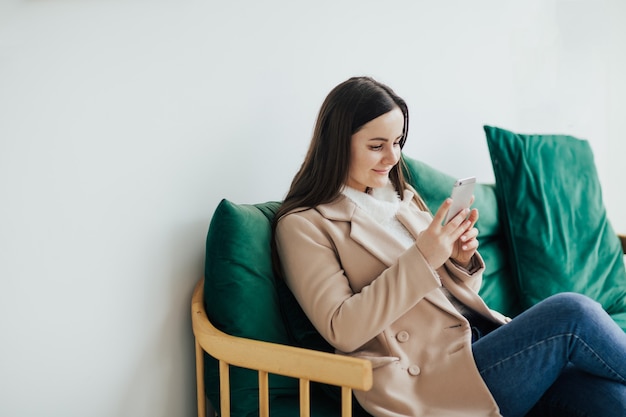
(382, 204)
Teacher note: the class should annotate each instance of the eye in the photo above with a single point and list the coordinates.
(397, 143)
(376, 147)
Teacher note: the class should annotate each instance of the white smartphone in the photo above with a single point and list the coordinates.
(461, 195)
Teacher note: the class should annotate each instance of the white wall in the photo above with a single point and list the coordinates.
(123, 123)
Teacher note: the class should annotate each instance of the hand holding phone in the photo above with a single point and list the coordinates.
(461, 196)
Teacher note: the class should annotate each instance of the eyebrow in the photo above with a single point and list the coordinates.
(385, 139)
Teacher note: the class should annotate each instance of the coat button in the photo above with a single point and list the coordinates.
(403, 336)
(414, 370)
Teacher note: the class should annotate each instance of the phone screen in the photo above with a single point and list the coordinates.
(461, 195)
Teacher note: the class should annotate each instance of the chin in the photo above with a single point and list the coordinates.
(379, 184)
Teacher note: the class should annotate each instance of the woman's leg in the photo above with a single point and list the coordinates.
(580, 394)
(522, 359)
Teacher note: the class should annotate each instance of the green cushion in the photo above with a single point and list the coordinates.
(555, 221)
(241, 297)
(498, 289)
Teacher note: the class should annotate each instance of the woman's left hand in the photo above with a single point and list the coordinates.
(465, 246)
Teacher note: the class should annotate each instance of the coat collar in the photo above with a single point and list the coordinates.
(370, 234)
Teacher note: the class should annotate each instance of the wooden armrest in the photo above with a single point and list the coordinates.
(275, 358)
(622, 239)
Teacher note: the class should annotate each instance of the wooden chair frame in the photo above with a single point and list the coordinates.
(271, 358)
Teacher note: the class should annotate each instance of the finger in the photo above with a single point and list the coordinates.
(459, 219)
(473, 217)
(470, 245)
(458, 225)
(440, 215)
(470, 234)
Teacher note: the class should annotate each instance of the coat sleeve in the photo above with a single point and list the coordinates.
(347, 320)
(471, 278)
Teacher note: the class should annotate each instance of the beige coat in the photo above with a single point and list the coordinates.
(372, 298)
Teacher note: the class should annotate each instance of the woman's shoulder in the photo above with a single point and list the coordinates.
(298, 212)
(340, 208)
(300, 220)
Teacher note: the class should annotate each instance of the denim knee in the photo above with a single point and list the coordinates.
(572, 302)
(574, 306)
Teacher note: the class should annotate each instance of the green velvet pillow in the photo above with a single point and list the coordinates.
(555, 221)
(498, 289)
(241, 297)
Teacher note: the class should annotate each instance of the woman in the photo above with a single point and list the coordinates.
(382, 279)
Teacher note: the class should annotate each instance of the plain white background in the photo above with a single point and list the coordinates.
(123, 124)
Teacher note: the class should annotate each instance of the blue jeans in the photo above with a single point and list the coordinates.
(563, 357)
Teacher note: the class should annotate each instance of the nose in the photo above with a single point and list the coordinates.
(392, 155)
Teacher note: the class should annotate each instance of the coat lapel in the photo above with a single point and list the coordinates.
(411, 217)
(375, 238)
(363, 229)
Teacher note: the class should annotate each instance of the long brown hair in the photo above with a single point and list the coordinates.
(346, 109)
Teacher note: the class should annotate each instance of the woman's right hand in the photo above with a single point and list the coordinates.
(437, 241)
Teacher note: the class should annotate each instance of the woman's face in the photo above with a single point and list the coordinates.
(375, 150)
